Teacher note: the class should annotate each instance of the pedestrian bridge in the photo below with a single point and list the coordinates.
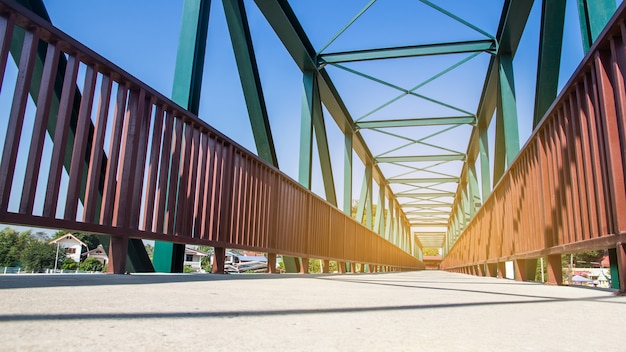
(139, 166)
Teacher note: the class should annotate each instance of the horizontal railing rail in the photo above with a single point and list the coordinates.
(565, 190)
(167, 175)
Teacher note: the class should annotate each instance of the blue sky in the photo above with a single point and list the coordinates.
(141, 37)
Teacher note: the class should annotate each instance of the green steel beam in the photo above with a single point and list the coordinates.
(420, 158)
(306, 129)
(513, 20)
(593, 16)
(474, 193)
(419, 213)
(347, 175)
(370, 197)
(488, 46)
(186, 92)
(312, 118)
(485, 178)
(378, 223)
(548, 67)
(426, 206)
(250, 81)
(344, 28)
(507, 135)
(191, 52)
(425, 180)
(429, 121)
(426, 195)
(323, 150)
(456, 18)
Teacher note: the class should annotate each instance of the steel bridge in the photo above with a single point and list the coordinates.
(99, 151)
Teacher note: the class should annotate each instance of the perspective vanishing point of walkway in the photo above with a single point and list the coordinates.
(411, 311)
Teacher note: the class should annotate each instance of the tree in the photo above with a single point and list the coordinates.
(38, 255)
(431, 251)
(12, 244)
(91, 264)
(69, 264)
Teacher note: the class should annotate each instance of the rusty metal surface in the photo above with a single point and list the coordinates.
(566, 190)
(169, 176)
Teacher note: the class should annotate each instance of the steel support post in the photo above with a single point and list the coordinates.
(118, 249)
(347, 175)
(507, 134)
(219, 255)
(491, 269)
(250, 80)
(485, 172)
(554, 270)
(525, 269)
(593, 15)
(271, 263)
(501, 270)
(548, 67)
(325, 266)
(341, 267)
(169, 257)
(617, 258)
(304, 266)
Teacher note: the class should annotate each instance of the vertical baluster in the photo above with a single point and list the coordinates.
(7, 25)
(153, 169)
(75, 184)
(126, 173)
(161, 197)
(172, 198)
(39, 129)
(16, 116)
(95, 159)
(110, 178)
(141, 150)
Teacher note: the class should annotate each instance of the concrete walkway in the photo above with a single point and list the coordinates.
(416, 311)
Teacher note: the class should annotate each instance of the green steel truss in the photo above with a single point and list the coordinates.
(427, 182)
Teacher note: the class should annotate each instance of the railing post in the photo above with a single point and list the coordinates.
(525, 269)
(118, 250)
(555, 270)
(304, 265)
(218, 260)
(271, 263)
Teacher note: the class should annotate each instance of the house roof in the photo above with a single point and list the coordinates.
(68, 236)
(195, 252)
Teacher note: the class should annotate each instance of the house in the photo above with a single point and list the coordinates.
(73, 246)
(193, 258)
(100, 254)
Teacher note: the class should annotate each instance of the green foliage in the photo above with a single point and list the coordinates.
(91, 264)
(12, 244)
(69, 264)
(315, 268)
(38, 255)
(188, 269)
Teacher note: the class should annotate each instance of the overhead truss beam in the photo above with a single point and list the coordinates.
(431, 121)
(488, 46)
(419, 158)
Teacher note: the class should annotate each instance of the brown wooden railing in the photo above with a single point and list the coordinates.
(565, 190)
(166, 175)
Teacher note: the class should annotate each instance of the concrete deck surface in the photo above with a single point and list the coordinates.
(414, 311)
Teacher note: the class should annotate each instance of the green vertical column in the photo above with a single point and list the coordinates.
(485, 172)
(507, 134)
(250, 80)
(473, 189)
(347, 174)
(379, 224)
(169, 257)
(593, 15)
(550, 46)
(306, 130)
(369, 200)
(614, 268)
